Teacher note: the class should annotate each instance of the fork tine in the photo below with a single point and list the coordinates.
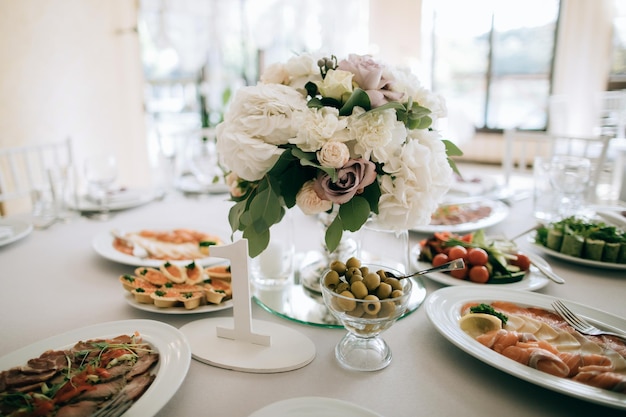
(569, 316)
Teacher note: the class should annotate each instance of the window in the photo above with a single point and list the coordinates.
(617, 76)
(493, 60)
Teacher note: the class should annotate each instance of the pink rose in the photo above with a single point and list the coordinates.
(368, 75)
(352, 179)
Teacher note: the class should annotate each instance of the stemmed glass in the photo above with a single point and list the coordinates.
(569, 175)
(101, 172)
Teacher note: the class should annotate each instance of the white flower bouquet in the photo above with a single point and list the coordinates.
(316, 133)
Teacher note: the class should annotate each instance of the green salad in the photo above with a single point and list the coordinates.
(582, 238)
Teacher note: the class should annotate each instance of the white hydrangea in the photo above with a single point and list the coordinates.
(318, 126)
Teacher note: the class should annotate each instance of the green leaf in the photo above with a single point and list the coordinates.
(257, 240)
(451, 148)
(300, 154)
(354, 213)
(333, 234)
(234, 215)
(396, 105)
(311, 88)
(372, 194)
(358, 98)
(265, 208)
(315, 103)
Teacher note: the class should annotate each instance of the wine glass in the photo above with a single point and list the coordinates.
(569, 175)
(101, 172)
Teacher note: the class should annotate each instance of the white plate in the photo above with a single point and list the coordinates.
(499, 212)
(533, 281)
(19, 230)
(122, 200)
(577, 260)
(443, 309)
(190, 184)
(209, 308)
(103, 245)
(313, 407)
(174, 356)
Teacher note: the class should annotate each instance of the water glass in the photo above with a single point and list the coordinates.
(570, 175)
(546, 200)
(101, 172)
(43, 206)
(274, 267)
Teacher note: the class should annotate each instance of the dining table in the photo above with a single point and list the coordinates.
(53, 281)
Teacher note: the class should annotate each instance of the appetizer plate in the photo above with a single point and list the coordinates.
(499, 212)
(533, 280)
(174, 357)
(577, 260)
(443, 310)
(209, 308)
(103, 245)
(313, 406)
(18, 230)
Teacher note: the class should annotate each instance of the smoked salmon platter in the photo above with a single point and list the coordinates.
(532, 342)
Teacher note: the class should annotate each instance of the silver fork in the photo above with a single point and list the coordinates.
(580, 324)
(115, 407)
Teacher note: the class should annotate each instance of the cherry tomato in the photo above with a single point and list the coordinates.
(477, 256)
(459, 273)
(522, 261)
(457, 252)
(440, 259)
(479, 273)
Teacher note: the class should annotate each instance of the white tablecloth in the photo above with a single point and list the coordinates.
(53, 282)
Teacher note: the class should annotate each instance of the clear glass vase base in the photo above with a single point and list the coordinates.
(363, 354)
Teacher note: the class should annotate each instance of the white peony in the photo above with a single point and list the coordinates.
(248, 157)
(265, 112)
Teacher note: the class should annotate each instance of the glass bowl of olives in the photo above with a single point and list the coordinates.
(367, 299)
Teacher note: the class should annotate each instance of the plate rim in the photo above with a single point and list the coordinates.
(537, 280)
(144, 196)
(172, 345)
(288, 404)
(102, 243)
(151, 308)
(580, 261)
(443, 311)
(25, 228)
(501, 212)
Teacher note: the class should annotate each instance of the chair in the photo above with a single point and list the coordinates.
(27, 168)
(521, 148)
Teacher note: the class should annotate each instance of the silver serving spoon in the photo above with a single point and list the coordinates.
(138, 251)
(448, 266)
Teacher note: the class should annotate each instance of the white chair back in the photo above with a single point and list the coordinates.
(521, 148)
(25, 168)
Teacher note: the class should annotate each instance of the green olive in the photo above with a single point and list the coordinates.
(341, 287)
(382, 274)
(353, 262)
(359, 289)
(372, 281)
(384, 290)
(395, 283)
(338, 266)
(331, 279)
(364, 270)
(357, 312)
(344, 304)
(372, 306)
(397, 293)
(352, 271)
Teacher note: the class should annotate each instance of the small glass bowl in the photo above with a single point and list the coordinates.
(362, 348)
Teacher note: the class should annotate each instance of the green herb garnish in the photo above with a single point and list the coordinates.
(487, 309)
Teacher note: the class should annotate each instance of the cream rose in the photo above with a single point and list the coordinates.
(337, 84)
(333, 154)
(309, 202)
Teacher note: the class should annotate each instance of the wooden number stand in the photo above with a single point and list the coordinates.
(242, 343)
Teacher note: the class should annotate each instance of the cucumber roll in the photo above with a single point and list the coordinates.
(593, 249)
(572, 245)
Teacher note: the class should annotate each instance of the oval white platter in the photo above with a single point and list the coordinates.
(209, 308)
(313, 406)
(103, 244)
(19, 230)
(499, 212)
(443, 309)
(577, 260)
(533, 280)
(171, 343)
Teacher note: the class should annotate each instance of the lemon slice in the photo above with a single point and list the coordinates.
(475, 324)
